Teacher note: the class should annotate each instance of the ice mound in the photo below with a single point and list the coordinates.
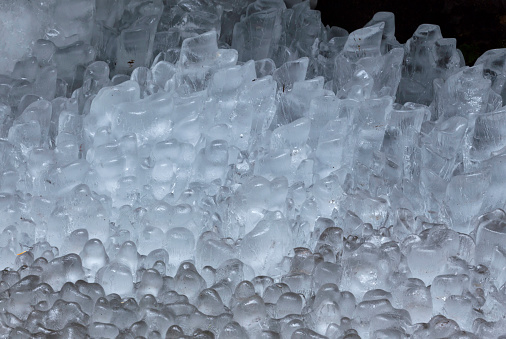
(234, 169)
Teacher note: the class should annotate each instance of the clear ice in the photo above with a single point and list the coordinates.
(235, 169)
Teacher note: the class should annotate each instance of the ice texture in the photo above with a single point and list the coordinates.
(235, 169)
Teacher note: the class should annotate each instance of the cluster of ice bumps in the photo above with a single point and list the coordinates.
(234, 169)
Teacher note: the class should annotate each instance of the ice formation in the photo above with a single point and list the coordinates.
(234, 169)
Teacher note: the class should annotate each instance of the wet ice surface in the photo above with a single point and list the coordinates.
(184, 169)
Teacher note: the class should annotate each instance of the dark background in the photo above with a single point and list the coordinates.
(478, 25)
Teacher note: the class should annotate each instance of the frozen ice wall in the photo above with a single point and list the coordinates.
(20, 25)
(235, 169)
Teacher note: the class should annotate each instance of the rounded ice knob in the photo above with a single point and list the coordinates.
(116, 278)
(94, 255)
(151, 283)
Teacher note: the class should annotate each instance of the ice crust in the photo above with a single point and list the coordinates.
(234, 169)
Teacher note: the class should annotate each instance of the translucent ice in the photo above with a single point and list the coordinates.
(305, 183)
(16, 42)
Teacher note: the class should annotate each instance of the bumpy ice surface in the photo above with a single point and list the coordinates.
(234, 169)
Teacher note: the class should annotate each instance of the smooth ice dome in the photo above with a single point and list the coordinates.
(235, 169)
